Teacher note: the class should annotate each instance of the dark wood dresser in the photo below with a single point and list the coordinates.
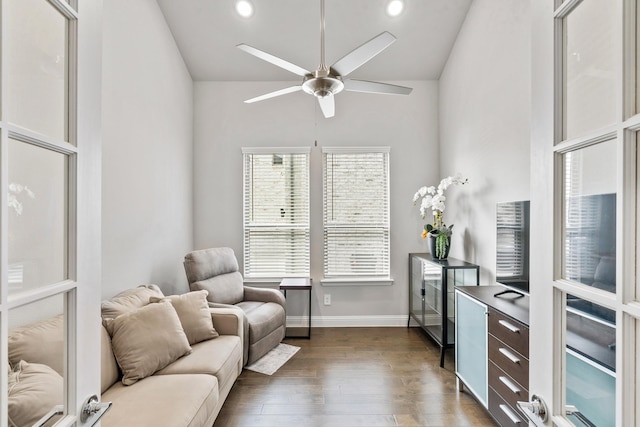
(507, 354)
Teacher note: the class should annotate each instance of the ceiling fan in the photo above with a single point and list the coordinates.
(325, 82)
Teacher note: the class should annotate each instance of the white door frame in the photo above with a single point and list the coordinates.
(83, 289)
(547, 376)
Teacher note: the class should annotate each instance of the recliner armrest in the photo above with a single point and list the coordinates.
(228, 320)
(264, 295)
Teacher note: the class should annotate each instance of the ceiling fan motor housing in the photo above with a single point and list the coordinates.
(322, 84)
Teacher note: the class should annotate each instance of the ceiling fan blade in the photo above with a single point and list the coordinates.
(274, 94)
(328, 106)
(375, 87)
(274, 60)
(362, 54)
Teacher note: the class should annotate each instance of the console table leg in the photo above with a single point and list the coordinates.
(442, 357)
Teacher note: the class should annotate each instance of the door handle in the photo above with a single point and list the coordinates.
(535, 411)
(93, 410)
(56, 410)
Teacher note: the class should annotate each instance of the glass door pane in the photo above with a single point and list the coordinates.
(589, 77)
(590, 361)
(37, 217)
(589, 223)
(37, 359)
(36, 67)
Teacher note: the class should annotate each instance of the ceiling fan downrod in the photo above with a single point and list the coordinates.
(321, 83)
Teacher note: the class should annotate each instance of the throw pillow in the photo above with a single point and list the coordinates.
(129, 300)
(40, 342)
(194, 314)
(146, 340)
(34, 389)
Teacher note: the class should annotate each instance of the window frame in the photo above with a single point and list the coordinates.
(306, 226)
(330, 279)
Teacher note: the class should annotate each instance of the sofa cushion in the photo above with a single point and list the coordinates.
(221, 357)
(109, 372)
(146, 340)
(224, 289)
(263, 318)
(39, 342)
(129, 300)
(34, 389)
(194, 314)
(161, 400)
(205, 263)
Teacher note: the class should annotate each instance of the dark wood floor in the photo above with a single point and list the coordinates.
(360, 377)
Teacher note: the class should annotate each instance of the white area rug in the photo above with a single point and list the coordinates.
(272, 361)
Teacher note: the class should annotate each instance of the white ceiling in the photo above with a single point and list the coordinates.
(207, 31)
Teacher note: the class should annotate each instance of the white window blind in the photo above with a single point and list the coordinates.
(276, 213)
(356, 212)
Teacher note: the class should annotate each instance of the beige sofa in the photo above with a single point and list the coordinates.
(137, 336)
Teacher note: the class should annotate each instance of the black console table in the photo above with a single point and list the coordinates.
(431, 294)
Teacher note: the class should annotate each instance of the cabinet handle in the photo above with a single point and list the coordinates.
(511, 386)
(509, 326)
(506, 353)
(513, 417)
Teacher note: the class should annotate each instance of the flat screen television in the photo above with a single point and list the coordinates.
(512, 245)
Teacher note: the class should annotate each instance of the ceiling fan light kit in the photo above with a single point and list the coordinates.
(325, 82)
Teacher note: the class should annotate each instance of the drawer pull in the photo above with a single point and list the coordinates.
(513, 417)
(509, 326)
(506, 353)
(511, 386)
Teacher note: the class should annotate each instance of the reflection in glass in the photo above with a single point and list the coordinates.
(590, 361)
(512, 244)
(589, 57)
(36, 67)
(590, 216)
(37, 217)
(36, 350)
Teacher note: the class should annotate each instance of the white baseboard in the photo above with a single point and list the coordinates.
(348, 321)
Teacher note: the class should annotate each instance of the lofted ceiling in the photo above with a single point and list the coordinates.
(207, 31)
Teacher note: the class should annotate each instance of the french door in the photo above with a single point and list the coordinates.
(584, 294)
(50, 67)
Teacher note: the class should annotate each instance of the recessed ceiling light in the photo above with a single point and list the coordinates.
(244, 8)
(395, 7)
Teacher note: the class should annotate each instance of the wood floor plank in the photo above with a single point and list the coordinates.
(356, 377)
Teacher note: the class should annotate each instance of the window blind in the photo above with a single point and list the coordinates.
(276, 213)
(356, 212)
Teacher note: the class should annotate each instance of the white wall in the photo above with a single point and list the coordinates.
(485, 124)
(147, 151)
(409, 125)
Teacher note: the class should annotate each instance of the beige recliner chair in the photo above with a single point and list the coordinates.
(216, 270)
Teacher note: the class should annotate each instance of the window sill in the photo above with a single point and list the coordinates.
(263, 282)
(357, 281)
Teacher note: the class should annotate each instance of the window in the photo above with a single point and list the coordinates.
(276, 212)
(356, 212)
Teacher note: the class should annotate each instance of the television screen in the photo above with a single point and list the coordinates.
(512, 244)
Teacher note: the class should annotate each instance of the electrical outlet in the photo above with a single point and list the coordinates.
(327, 299)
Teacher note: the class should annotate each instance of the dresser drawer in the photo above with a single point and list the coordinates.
(511, 362)
(509, 331)
(504, 414)
(506, 386)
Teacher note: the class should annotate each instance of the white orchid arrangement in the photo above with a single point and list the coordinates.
(14, 191)
(433, 198)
